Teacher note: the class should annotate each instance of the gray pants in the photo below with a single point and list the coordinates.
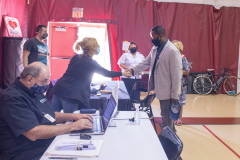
(166, 120)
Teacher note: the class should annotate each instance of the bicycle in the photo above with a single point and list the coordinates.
(205, 83)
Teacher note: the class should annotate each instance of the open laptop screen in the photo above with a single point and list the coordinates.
(115, 96)
(108, 112)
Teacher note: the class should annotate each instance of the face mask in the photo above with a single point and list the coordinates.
(45, 35)
(133, 50)
(98, 50)
(156, 42)
(39, 89)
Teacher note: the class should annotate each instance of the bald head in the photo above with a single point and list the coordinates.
(34, 69)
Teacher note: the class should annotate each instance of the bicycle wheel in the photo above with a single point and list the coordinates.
(202, 84)
(230, 85)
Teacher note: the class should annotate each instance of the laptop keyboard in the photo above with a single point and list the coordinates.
(96, 126)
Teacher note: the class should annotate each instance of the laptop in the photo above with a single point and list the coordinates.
(115, 96)
(100, 123)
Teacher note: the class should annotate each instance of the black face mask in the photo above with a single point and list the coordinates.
(45, 35)
(156, 42)
(133, 50)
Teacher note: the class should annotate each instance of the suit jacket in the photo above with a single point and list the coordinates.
(168, 72)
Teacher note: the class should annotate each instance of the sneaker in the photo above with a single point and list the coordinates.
(179, 122)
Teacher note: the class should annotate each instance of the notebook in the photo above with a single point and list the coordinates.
(100, 123)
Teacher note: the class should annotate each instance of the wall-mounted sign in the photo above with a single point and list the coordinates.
(61, 28)
(13, 27)
(77, 12)
(125, 46)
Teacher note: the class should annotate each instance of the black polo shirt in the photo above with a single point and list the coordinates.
(38, 50)
(20, 111)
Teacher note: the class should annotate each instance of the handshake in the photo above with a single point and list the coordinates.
(127, 73)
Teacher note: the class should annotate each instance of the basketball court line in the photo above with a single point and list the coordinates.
(222, 141)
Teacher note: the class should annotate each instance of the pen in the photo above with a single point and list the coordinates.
(63, 158)
(79, 147)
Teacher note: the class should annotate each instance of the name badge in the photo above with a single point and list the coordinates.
(50, 118)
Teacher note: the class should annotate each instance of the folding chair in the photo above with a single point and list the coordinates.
(171, 143)
(144, 104)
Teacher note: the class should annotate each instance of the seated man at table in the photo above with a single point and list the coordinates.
(27, 122)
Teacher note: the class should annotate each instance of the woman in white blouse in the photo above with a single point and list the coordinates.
(129, 60)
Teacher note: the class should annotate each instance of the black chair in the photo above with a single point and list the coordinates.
(171, 143)
(144, 104)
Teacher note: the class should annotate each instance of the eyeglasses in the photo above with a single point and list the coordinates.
(43, 83)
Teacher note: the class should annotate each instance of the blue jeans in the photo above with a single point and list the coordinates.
(59, 104)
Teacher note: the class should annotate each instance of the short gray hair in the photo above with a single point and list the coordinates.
(33, 70)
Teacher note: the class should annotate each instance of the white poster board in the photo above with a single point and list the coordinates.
(13, 27)
(125, 46)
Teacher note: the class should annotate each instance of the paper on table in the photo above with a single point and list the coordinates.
(79, 153)
(128, 115)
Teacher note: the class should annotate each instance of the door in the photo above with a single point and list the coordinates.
(62, 36)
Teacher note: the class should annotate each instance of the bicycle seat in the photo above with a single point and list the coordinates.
(210, 70)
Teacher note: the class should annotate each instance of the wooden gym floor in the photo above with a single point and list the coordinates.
(211, 129)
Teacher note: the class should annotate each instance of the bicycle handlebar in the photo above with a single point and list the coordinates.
(226, 70)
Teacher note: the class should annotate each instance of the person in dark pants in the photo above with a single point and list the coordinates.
(35, 49)
(129, 60)
(27, 121)
(72, 90)
(165, 72)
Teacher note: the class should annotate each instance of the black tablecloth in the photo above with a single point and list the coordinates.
(124, 103)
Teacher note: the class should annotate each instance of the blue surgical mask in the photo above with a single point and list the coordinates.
(39, 89)
(98, 50)
(156, 42)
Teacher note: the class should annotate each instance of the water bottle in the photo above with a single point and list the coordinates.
(137, 116)
(220, 80)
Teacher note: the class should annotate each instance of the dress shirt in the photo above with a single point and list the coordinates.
(131, 61)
